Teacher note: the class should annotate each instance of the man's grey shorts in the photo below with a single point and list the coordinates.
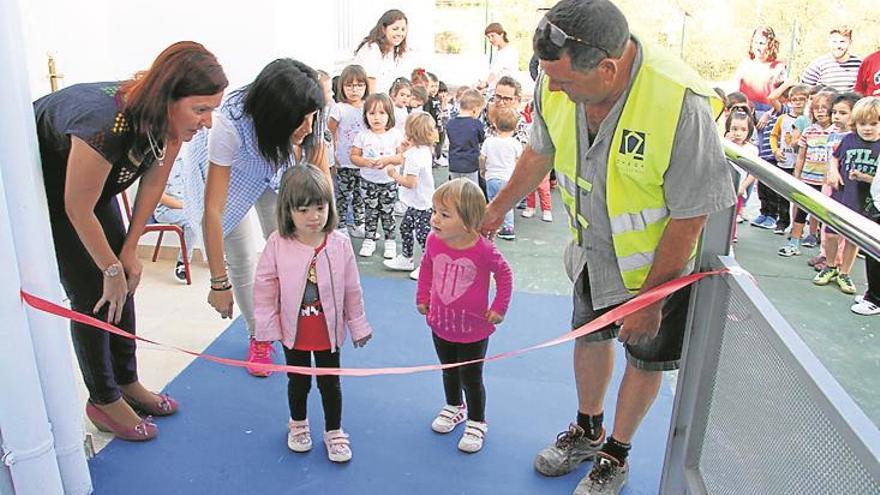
(660, 354)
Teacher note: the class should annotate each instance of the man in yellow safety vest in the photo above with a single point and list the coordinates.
(640, 166)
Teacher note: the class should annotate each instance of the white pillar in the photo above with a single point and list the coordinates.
(28, 446)
(38, 272)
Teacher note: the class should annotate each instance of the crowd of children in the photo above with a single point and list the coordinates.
(830, 141)
(384, 149)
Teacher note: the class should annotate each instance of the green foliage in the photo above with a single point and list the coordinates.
(447, 42)
(716, 32)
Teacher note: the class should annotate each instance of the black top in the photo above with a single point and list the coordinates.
(465, 134)
(90, 112)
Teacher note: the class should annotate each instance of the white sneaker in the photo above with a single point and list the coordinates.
(400, 262)
(299, 438)
(367, 248)
(865, 308)
(338, 446)
(473, 436)
(358, 232)
(415, 273)
(448, 418)
(547, 216)
(390, 250)
(528, 213)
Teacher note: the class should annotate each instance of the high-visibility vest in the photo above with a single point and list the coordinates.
(637, 161)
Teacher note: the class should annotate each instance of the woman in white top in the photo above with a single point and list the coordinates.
(382, 53)
(261, 130)
(505, 60)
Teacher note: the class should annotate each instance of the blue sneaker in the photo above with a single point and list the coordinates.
(810, 241)
(759, 221)
(769, 223)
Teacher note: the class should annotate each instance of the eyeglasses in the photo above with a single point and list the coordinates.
(558, 37)
(504, 99)
(355, 86)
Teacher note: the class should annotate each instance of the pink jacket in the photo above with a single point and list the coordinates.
(280, 283)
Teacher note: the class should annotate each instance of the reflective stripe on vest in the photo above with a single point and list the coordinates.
(638, 158)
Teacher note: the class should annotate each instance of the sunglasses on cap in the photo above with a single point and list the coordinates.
(558, 37)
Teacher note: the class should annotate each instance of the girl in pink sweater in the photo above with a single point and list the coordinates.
(307, 294)
(453, 292)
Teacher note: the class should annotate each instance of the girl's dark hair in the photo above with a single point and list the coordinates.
(377, 34)
(183, 69)
(848, 97)
(432, 77)
(387, 105)
(772, 48)
(398, 84)
(496, 27)
(303, 185)
(442, 88)
(739, 114)
(278, 101)
(352, 73)
(334, 86)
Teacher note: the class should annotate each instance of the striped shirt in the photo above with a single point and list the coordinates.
(839, 75)
(818, 151)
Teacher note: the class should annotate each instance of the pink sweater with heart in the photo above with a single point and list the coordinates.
(455, 285)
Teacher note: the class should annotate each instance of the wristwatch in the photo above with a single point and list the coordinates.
(113, 270)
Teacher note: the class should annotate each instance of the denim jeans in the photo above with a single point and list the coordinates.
(178, 217)
(241, 257)
(493, 187)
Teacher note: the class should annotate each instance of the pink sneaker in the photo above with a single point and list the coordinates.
(260, 353)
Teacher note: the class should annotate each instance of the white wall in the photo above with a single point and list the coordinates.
(102, 40)
(97, 40)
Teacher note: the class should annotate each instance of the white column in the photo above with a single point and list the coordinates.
(28, 446)
(29, 233)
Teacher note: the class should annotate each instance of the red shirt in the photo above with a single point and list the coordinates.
(311, 328)
(758, 79)
(868, 80)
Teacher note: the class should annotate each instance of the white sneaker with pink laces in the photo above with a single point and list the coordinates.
(338, 446)
(299, 438)
(448, 418)
(472, 439)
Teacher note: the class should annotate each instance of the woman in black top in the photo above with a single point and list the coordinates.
(95, 140)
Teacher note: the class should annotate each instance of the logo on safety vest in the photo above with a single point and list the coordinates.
(632, 143)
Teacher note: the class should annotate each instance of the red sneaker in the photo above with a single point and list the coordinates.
(260, 353)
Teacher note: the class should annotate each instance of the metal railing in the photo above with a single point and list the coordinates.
(755, 411)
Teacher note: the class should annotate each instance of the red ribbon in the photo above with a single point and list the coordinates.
(642, 301)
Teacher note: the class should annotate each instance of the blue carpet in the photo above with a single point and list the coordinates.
(230, 435)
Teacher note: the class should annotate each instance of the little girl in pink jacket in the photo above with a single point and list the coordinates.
(307, 295)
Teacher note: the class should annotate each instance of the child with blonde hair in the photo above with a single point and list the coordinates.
(850, 173)
(453, 293)
(417, 188)
(498, 158)
(307, 295)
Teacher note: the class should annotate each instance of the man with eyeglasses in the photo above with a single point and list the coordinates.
(631, 134)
